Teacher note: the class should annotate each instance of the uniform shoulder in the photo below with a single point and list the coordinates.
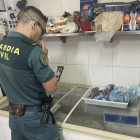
(29, 42)
(37, 57)
(36, 51)
(36, 48)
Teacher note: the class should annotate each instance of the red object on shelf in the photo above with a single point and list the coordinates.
(85, 26)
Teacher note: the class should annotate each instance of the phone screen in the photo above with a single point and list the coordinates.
(58, 72)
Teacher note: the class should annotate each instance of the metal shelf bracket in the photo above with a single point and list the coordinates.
(63, 39)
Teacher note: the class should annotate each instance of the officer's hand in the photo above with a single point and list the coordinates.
(44, 49)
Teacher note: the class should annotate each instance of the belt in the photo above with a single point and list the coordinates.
(14, 109)
(32, 107)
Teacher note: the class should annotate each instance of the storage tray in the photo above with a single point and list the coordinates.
(103, 103)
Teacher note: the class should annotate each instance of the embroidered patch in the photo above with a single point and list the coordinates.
(43, 59)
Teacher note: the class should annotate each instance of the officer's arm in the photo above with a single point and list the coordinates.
(38, 62)
(51, 85)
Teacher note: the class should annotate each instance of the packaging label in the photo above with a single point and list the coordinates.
(138, 21)
(129, 120)
(127, 21)
(52, 21)
(86, 7)
(126, 18)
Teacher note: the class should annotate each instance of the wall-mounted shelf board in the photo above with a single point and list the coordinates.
(64, 36)
(88, 33)
(127, 33)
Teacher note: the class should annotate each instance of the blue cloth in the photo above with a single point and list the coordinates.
(29, 126)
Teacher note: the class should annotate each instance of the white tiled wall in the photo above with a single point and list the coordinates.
(77, 50)
(51, 7)
(70, 6)
(99, 53)
(56, 49)
(78, 74)
(33, 3)
(87, 61)
(100, 75)
(122, 76)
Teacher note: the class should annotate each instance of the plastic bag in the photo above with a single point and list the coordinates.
(98, 97)
(107, 23)
(135, 91)
(112, 93)
(94, 92)
(71, 27)
(57, 21)
(119, 94)
(84, 18)
(115, 96)
(56, 29)
(127, 97)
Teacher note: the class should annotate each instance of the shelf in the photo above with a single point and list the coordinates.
(64, 36)
(88, 33)
(127, 33)
(119, 3)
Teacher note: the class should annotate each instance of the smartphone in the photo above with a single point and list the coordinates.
(58, 72)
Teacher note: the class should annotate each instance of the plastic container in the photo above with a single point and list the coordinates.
(123, 8)
(109, 8)
(101, 102)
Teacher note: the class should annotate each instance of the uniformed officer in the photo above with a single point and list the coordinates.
(24, 73)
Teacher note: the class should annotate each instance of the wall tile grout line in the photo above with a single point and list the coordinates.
(66, 61)
(98, 65)
(88, 60)
(139, 77)
(61, 6)
(39, 4)
(83, 65)
(112, 60)
(65, 50)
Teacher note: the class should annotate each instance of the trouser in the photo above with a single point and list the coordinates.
(29, 126)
